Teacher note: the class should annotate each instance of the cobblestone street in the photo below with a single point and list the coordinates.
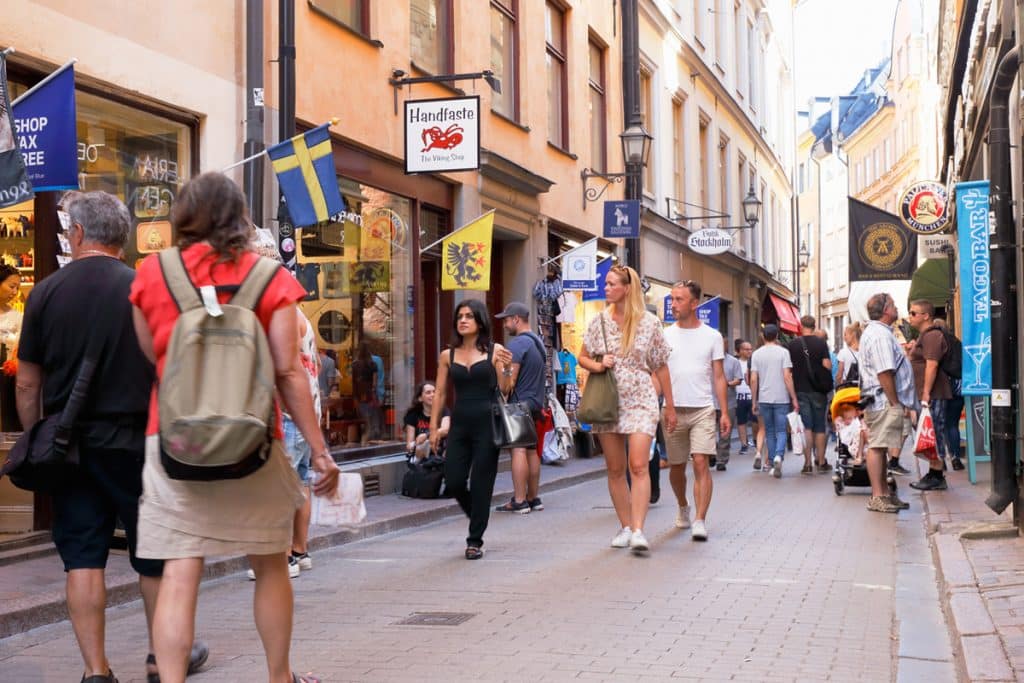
(794, 584)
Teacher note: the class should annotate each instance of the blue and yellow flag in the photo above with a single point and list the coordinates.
(467, 255)
(305, 168)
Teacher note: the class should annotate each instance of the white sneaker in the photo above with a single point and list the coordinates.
(638, 542)
(305, 561)
(683, 517)
(777, 467)
(700, 532)
(293, 570)
(622, 538)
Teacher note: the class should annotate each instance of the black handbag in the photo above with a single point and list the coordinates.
(423, 480)
(512, 423)
(45, 458)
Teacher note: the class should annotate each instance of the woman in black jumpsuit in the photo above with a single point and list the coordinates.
(477, 369)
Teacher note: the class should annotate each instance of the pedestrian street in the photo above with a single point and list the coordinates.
(794, 584)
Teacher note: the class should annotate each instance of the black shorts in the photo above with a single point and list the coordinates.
(85, 514)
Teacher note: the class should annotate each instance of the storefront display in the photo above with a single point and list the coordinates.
(356, 272)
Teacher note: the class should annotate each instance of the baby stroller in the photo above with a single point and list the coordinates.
(846, 472)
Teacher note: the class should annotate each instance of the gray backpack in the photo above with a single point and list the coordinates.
(216, 395)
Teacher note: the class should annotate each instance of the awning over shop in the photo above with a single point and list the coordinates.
(931, 282)
(787, 314)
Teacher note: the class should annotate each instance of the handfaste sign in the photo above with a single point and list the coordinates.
(442, 135)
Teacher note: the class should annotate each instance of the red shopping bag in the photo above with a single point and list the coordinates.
(924, 437)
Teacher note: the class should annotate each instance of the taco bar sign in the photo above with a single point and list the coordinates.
(442, 135)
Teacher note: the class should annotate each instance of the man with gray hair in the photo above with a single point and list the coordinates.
(887, 391)
(87, 298)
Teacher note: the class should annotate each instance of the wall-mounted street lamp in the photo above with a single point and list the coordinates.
(751, 212)
(636, 150)
(803, 257)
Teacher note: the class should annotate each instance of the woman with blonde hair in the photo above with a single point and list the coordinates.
(847, 356)
(627, 340)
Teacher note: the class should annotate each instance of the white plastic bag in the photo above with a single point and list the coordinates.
(345, 507)
(796, 430)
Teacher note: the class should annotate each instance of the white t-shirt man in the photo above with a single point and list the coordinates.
(689, 365)
(769, 362)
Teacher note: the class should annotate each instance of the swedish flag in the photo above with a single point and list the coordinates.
(305, 168)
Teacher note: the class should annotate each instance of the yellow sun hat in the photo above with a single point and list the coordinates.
(846, 395)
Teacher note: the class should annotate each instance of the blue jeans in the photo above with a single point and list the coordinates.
(774, 416)
(946, 418)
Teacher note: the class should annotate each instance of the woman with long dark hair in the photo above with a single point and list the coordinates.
(478, 368)
(183, 521)
(417, 422)
(630, 343)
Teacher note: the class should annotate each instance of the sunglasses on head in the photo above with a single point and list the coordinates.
(622, 270)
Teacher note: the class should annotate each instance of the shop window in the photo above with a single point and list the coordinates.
(504, 49)
(558, 100)
(430, 35)
(358, 272)
(354, 14)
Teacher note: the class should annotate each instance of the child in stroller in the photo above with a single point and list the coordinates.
(851, 441)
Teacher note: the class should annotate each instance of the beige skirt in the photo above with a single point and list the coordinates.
(183, 519)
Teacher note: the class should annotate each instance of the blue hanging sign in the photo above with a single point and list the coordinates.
(596, 293)
(622, 219)
(669, 317)
(707, 313)
(45, 124)
(972, 227)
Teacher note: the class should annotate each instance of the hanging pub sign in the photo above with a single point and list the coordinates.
(880, 248)
(924, 208)
(442, 135)
(710, 241)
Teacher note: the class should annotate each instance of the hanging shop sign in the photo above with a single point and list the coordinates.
(596, 292)
(710, 241)
(880, 248)
(622, 218)
(442, 135)
(707, 312)
(934, 246)
(924, 208)
(15, 187)
(44, 121)
(975, 286)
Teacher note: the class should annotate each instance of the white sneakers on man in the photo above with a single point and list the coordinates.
(622, 538)
(638, 542)
(777, 467)
(700, 531)
(683, 517)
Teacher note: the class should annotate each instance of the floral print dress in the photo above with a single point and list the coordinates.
(638, 403)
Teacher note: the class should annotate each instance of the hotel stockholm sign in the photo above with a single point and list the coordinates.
(442, 135)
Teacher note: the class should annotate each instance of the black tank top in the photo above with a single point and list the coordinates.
(474, 389)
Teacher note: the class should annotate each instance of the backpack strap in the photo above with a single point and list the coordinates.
(177, 279)
(255, 283)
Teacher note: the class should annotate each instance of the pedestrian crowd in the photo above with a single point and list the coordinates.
(166, 358)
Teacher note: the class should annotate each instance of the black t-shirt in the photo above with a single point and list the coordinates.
(817, 349)
(419, 421)
(62, 313)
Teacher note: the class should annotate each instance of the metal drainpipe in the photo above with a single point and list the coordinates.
(1004, 290)
(252, 175)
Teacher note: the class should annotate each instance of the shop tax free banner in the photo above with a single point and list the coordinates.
(442, 135)
(44, 121)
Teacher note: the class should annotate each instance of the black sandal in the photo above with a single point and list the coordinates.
(474, 553)
(109, 677)
(196, 658)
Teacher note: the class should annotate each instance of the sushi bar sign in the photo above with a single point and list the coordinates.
(442, 135)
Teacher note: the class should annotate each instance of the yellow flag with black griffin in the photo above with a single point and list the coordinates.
(466, 255)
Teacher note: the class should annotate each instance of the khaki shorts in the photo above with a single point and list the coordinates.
(695, 433)
(885, 427)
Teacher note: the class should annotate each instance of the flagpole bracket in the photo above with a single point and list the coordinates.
(592, 194)
(399, 79)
